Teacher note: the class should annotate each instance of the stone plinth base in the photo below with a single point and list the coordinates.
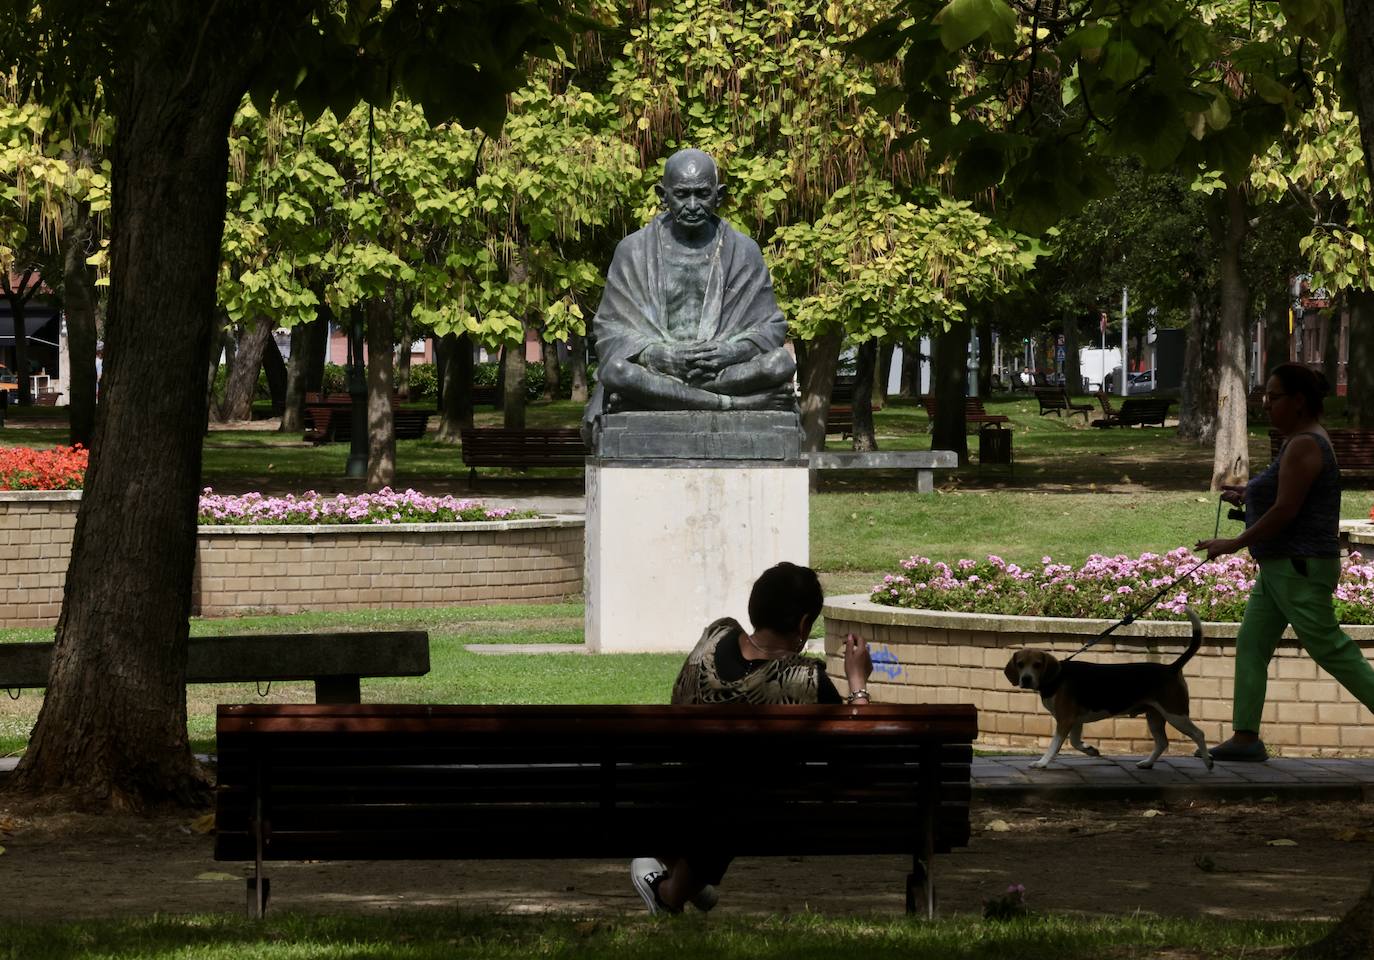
(672, 546)
(700, 435)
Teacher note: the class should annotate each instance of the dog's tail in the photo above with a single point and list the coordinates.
(1193, 646)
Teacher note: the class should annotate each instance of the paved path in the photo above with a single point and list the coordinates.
(1010, 780)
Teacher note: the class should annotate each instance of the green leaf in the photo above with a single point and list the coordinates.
(963, 21)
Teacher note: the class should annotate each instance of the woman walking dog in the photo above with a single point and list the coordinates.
(1292, 519)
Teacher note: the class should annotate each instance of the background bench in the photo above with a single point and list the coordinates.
(392, 782)
(1056, 400)
(1353, 447)
(329, 419)
(975, 415)
(335, 661)
(1134, 410)
(548, 447)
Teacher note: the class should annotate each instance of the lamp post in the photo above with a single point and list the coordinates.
(357, 392)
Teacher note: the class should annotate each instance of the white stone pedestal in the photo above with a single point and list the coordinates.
(673, 545)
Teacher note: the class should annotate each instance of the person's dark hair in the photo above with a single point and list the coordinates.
(1303, 380)
(783, 595)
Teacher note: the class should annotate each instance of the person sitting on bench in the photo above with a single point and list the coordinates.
(729, 665)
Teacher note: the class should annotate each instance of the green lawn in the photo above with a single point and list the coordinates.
(445, 935)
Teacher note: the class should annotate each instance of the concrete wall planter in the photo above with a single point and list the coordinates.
(287, 569)
(926, 656)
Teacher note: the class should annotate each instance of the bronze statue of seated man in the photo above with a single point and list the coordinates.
(688, 320)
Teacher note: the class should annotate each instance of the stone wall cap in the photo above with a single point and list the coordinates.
(39, 496)
(858, 608)
(552, 522)
(1359, 531)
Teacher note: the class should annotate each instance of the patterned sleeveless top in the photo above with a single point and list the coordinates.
(1314, 532)
(793, 679)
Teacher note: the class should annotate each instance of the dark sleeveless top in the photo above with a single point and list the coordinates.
(1314, 532)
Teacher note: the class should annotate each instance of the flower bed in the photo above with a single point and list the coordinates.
(384, 507)
(323, 563)
(1103, 587)
(60, 468)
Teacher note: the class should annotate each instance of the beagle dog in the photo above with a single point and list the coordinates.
(1076, 693)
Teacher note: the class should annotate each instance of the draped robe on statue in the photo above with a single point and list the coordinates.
(739, 305)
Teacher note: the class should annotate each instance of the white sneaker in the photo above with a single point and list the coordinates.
(645, 873)
(706, 899)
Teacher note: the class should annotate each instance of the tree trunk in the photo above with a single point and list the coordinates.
(1197, 419)
(865, 371)
(317, 345)
(112, 729)
(1359, 367)
(1351, 939)
(1275, 335)
(381, 424)
(950, 429)
(1331, 341)
(456, 400)
(985, 359)
(242, 383)
(293, 407)
(275, 367)
(911, 368)
(80, 302)
(577, 367)
(817, 361)
(18, 297)
(880, 390)
(1073, 373)
(553, 376)
(403, 353)
(513, 385)
(1231, 460)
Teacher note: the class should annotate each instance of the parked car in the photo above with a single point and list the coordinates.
(8, 381)
(1142, 382)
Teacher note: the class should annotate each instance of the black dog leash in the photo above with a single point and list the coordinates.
(1130, 618)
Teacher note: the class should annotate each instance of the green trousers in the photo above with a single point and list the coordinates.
(1281, 596)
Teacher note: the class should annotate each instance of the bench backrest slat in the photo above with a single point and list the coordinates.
(452, 781)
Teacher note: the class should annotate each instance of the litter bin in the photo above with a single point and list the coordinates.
(994, 445)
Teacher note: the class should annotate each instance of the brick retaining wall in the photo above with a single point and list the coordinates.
(924, 656)
(291, 569)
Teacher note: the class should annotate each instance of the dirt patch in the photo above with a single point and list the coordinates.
(1217, 859)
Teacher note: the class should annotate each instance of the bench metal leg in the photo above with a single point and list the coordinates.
(343, 689)
(920, 890)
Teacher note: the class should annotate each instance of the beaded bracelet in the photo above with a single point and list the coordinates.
(856, 695)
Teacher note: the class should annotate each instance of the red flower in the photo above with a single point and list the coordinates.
(61, 468)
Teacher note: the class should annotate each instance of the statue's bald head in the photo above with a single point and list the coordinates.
(691, 190)
(690, 163)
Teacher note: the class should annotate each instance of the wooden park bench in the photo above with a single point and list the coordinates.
(329, 419)
(840, 419)
(335, 661)
(975, 415)
(1353, 447)
(47, 398)
(400, 782)
(547, 447)
(1056, 400)
(1134, 411)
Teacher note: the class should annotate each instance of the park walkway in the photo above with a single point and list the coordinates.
(1078, 779)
